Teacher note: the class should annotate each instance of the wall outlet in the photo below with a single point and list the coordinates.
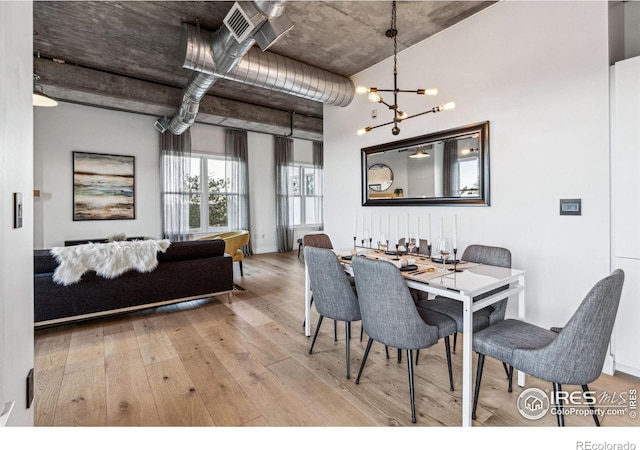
(30, 388)
(374, 113)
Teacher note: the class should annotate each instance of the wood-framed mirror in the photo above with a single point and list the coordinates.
(449, 167)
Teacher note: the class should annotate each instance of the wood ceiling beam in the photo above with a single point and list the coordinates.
(75, 84)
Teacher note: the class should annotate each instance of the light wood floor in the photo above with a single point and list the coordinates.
(208, 363)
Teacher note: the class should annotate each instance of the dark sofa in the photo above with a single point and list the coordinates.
(187, 270)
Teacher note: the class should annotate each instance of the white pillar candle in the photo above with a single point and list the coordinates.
(428, 228)
(441, 227)
(363, 236)
(397, 229)
(455, 231)
(371, 225)
(380, 225)
(388, 229)
(418, 230)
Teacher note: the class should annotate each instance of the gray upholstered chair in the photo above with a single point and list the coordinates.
(390, 316)
(483, 254)
(334, 294)
(574, 355)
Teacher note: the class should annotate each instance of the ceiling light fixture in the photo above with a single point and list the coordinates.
(374, 96)
(39, 97)
(419, 153)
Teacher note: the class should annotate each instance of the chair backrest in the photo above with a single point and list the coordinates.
(318, 240)
(389, 314)
(493, 256)
(577, 355)
(333, 295)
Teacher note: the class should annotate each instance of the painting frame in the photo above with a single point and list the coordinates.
(104, 186)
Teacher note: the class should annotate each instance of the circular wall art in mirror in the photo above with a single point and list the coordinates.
(380, 177)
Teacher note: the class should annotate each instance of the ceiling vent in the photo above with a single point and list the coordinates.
(242, 19)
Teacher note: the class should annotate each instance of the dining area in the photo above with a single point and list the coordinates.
(411, 302)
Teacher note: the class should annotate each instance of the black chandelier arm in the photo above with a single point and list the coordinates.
(432, 110)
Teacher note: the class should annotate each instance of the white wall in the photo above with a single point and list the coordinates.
(16, 169)
(67, 128)
(538, 71)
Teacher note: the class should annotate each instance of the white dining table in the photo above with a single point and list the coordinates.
(471, 281)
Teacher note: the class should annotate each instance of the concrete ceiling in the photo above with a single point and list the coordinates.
(126, 55)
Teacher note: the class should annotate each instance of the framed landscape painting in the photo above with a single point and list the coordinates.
(103, 186)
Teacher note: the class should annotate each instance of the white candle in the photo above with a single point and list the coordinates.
(371, 225)
(441, 227)
(428, 228)
(406, 234)
(455, 231)
(355, 224)
(380, 225)
(418, 230)
(363, 236)
(397, 229)
(388, 229)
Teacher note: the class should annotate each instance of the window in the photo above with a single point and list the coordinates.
(208, 201)
(305, 195)
(468, 180)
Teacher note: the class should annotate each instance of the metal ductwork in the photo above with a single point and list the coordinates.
(228, 53)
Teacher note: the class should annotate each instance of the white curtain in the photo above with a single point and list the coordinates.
(318, 174)
(237, 175)
(175, 153)
(283, 148)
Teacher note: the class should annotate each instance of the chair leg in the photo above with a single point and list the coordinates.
(386, 351)
(448, 352)
(315, 335)
(241, 273)
(361, 332)
(557, 387)
(335, 331)
(399, 356)
(364, 359)
(455, 341)
(347, 330)
(411, 391)
(510, 377)
(585, 388)
(417, 356)
(476, 394)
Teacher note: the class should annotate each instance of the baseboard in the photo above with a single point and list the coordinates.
(627, 369)
(268, 249)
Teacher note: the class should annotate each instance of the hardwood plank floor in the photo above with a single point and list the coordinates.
(209, 363)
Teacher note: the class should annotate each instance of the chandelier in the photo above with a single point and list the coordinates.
(374, 93)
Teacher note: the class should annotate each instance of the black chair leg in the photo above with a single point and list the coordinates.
(386, 351)
(361, 332)
(335, 330)
(510, 377)
(417, 356)
(364, 359)
(347, 330)
(399, 356)
(448, 352)
(315, 335)
(411, 391)
(585, 388)
(241, 273)
(455, 341)
(557, 387)
(476, 394)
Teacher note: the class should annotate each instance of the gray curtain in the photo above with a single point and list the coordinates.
(283, 147)
(451, 177)
(318, 169)
(175, 153)
(237, 174)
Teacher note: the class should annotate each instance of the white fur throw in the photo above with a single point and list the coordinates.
(109, 260)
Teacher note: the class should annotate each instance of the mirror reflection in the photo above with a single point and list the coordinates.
(441, 168)
(380, 177)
